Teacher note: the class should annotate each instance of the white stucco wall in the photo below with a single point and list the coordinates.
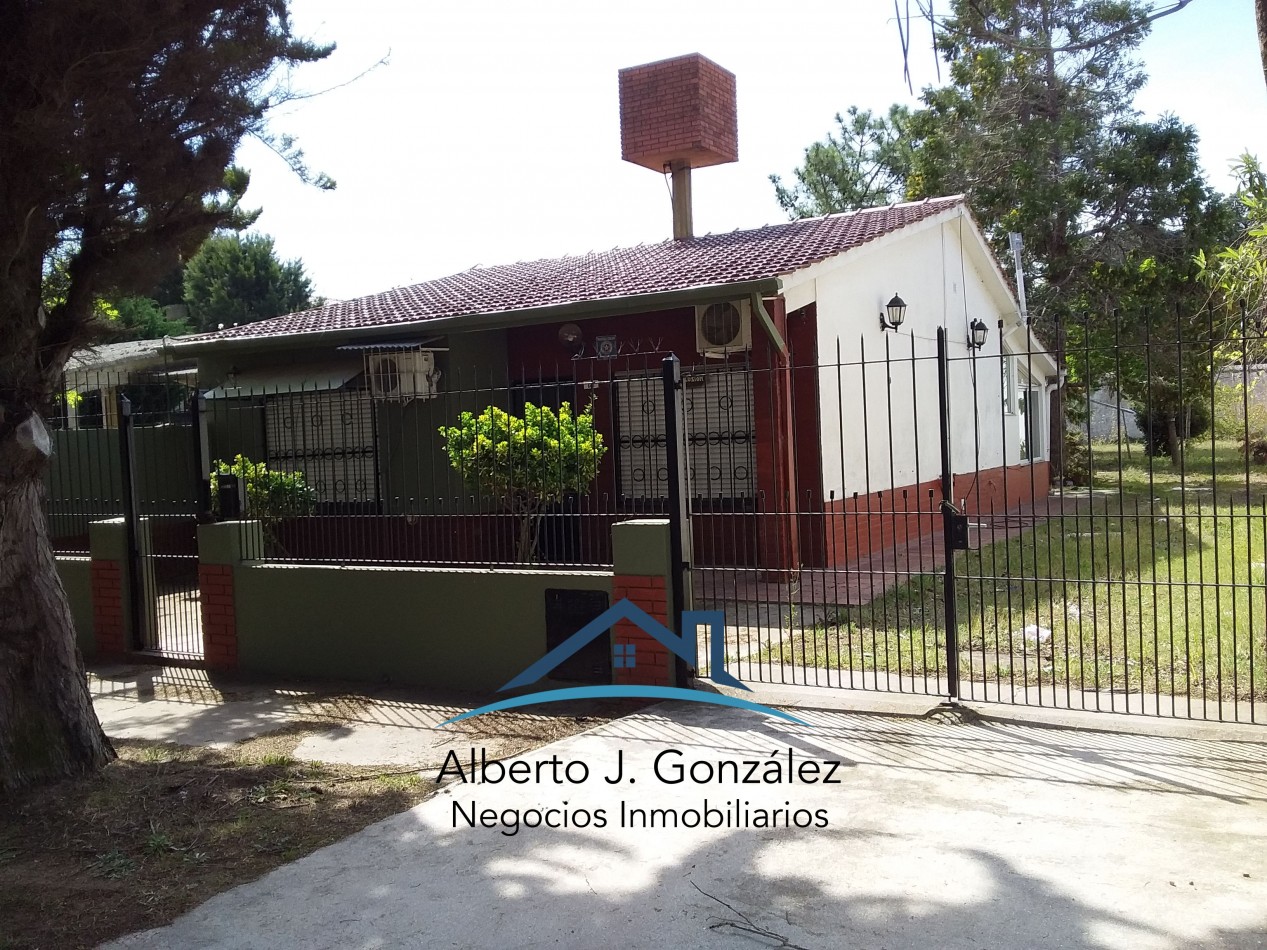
(868, 406)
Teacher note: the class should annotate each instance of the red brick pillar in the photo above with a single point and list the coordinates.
(643, 575)
(108, 622)
(221, 550)
(638, 657)
(219, 620)
(777, 527)
(111, 598)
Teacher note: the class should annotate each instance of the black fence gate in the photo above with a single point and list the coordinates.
(131, 448)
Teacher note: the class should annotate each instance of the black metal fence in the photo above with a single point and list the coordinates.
(947, 547)
(899, 514)
(85, 480)
(125, 447)
(390, 474)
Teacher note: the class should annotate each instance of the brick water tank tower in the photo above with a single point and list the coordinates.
(675, 115)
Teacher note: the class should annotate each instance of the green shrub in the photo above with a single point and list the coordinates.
(270, 494)
(1231, 419)
(1076, 470)
(1155, 424)
(529, 461)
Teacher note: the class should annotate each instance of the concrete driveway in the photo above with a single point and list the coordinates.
(938, 834)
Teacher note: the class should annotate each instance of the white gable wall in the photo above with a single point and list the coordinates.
(867, 406)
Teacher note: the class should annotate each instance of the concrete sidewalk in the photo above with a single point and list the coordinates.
(939, 834)
(355, 725)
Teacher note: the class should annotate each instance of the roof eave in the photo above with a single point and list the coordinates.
(577, 310)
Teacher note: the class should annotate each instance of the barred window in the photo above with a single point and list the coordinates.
(719, 434)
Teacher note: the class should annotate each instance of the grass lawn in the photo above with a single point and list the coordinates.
(1150, 584)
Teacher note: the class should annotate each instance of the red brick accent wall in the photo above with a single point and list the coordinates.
(108, 623)
(219, 624)
(1002, 489)
(802, 338)
(653, 663)
(773, 421)
(867, 524)
(680, 109)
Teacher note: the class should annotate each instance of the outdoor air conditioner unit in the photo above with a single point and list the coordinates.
(404, 375)
(723, 328)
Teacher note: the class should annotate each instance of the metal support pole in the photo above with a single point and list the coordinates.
(948, 513)
(683, 223)
(127, 477)
(679, 512)
(202, 460)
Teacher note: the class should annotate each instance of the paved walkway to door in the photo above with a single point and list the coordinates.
(939, 834)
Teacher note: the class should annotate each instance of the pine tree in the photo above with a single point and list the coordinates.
(118, 126)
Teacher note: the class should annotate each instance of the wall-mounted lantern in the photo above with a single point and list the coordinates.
(895, 313)
(572, 339)
(977, 332)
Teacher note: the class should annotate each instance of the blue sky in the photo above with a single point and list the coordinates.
(492, 134)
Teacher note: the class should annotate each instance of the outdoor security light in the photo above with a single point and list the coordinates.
(977, 332)
(896, 314)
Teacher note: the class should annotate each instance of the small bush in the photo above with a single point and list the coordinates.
(1239, 411)
(530, 461)
(1077, 461)
(270, 495)
(1255, 449)
(1155, 426)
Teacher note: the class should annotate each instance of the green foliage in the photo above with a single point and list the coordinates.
(864, 164)
(1189, 421)
(120, 162)
(529, 462)
(1077, 458)
(141, 318)
(123, 318)
(1238, 410)
(1239, 272)
(239, 279)
(271, 495)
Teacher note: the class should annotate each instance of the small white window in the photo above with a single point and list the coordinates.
(1031, 417)
(1009, 384)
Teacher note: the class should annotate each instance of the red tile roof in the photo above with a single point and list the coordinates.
(710, 260)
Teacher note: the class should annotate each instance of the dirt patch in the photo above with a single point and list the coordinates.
(166, 827)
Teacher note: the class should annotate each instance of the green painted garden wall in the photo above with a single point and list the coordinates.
(471, 630)
(235, 426)
(76, 574)
(83, 478)
(414, 470)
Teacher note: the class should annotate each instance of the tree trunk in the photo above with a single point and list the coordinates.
(1175, 443)
(1260, 16)
(48, 729)
(529, 522)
